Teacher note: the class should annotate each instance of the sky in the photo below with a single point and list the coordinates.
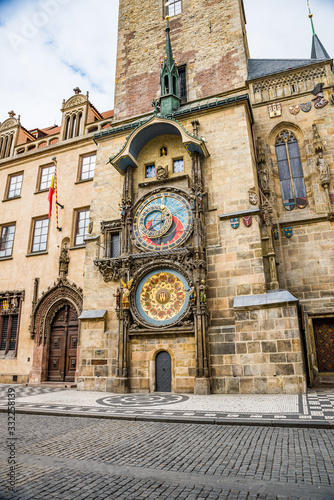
(48, 47)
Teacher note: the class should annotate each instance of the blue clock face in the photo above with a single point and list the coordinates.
(162, 221)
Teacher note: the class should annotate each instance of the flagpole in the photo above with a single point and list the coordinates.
(56, 190)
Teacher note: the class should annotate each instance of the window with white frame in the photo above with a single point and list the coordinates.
(40, 235)
(81, 226)
(87, 167)
(14, 186)
(46, 176)
(7, 240)
(174, 7)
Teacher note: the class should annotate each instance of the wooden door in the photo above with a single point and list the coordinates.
(63, 346)
(324, 343)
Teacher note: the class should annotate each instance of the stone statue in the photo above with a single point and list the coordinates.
(163, 151)
(63, 261)
(156, 106)
(264, 179)
(128, 210)
(162, 172)
(126, 293)
(122, 210)
(323, 169)
(202, 292)
(192, 293)
(118, 298)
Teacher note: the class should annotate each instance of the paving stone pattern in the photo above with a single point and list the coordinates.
(80, 458)
(316, 407)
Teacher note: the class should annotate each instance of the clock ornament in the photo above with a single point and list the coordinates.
(162, 221)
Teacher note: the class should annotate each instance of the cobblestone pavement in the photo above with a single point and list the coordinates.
(91, 458)
(314, 408)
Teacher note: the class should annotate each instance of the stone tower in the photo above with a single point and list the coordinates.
(209, 43)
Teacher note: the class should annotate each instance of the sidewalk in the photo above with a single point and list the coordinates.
(315, 409)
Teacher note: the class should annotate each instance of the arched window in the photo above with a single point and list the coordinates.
(166, 85)
(290, 171)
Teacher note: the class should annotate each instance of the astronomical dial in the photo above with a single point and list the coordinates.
(162, 221)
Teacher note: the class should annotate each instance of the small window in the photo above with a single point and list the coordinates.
(87, 167)
(7, 240)
(290, 171)
(40, 235)
(182, 83)
(46, 176)
(15, 185)
(81, 226)
(174, 7)
(150, 171)
(113, 245)
(178, 166)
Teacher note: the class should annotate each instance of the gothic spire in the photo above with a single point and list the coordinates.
(169, 77)
(318, 50)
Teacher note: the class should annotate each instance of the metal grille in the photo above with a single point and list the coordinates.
(163, 371)
(13, 333)
(114, 245)
(4, 333)
(324, 342)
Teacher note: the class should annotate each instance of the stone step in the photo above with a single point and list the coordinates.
(56, 385)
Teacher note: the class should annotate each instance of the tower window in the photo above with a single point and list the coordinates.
(87, 167)
(46, 174)
(174, 7)
(9, 322)
(290, 171)
(40, 235)
(182, 83)
(113, 245)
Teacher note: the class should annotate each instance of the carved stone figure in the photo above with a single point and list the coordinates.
(317, 143)
(162, 172)
(64, 261)
(118, 298)
(126, 293)
(128, 208)
(156, 106)
(202, 292)
(192, 293)
(264, 179)
(122, 210)
(323, 169)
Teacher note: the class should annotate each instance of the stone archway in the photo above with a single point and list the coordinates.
(54, 299)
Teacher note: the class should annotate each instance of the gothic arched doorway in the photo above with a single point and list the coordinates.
(63, 345)
(163, 372)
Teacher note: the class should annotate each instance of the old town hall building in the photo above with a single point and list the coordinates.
(191, 245)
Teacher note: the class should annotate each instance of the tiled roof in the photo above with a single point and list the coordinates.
(108, 114)
(318, 50)
(258, 68)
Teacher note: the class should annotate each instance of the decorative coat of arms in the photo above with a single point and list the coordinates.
(247, 220)
(276, 234)
(288, 232)
(331, 197)
(253, 198)
(275, 109)
(235, 222)
(294, 110)
(306, 106)
(320, 102)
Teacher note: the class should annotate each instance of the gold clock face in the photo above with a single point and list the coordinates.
(162, 221)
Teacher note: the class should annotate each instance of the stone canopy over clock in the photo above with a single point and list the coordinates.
(162, 221)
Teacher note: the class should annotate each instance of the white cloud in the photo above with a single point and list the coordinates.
(51, 46)
(48, 47)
